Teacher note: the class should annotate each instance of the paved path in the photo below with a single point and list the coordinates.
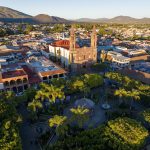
(27, 132)
(98, 117)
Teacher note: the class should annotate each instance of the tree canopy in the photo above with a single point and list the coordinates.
(9, 134)
(146, 115)
(121, 133)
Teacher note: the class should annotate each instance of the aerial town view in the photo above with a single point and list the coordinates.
(75, 75)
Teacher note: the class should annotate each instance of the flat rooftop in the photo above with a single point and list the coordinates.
(44, 66)
(139, 58)
(121, 58)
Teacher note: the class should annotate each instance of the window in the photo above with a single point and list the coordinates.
(61, 75)
(44, 78)
(84, 65)
(55, 76)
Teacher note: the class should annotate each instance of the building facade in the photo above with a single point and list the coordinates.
(71, 55)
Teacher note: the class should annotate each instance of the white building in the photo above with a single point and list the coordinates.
(118, 61)
(61, 52)
(120, 49)
(45, 69)
(138, 52)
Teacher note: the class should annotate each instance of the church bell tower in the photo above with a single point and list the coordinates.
(72, 44)
(94, 44)
(94, 38)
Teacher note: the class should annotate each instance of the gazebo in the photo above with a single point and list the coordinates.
(84, 102)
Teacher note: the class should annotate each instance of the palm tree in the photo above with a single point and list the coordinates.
(130, 83)
(144, 88)
(34, 105)
(134, 95)
(121, 93)
(49, 92)
(80, 114)
(60, 122)
(10, 97)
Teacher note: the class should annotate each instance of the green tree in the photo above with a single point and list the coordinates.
(29, 28)
(134, 95)
(92, 80)
(80, 114)
(99, 67)
(20, 28)
(49, 92)
(30, 93)
(118, 134)
(58, 82)
(114, 76)
(9, 134)
(60, 122)
(35, 105)
(2, 32)
(127, 134)
(121, 93)
(146, 115)
(75, 85)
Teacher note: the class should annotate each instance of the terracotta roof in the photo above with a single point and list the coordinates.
(15, 73)
(32, 77)
(53, 72)
(63, 44)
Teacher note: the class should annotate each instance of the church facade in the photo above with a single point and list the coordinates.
(71, 55)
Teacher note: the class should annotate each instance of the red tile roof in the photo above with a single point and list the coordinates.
(53, 72)
(32, 77)
(15, 73)
(63, 43)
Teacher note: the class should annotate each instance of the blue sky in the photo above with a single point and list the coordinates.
(73, 9)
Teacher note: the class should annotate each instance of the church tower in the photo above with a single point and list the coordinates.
(72, 38)
(94, 44)
(94, 38)
(72, 44)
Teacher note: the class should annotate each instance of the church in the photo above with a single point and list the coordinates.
(71, 55)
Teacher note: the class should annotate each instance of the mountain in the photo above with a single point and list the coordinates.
(118, 19)
(11, 15)
(14, 16)
(6, 12)
(43, 18)
(122, 19)
(91, 20)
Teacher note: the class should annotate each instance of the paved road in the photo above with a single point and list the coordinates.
(27, 132)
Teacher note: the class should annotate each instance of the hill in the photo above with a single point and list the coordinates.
(118, 19)
(14, 16)
(91, 20)
(43, 18)
(6, 12)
